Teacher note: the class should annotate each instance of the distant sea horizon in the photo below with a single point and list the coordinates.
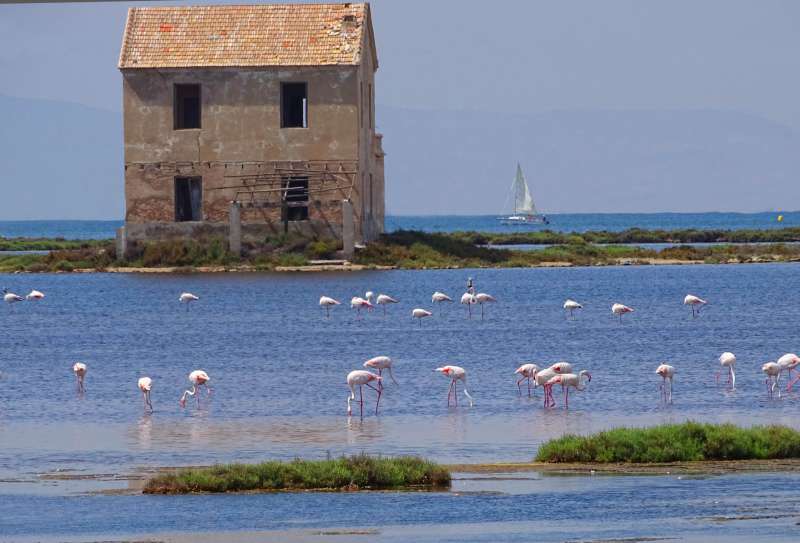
(562, 222)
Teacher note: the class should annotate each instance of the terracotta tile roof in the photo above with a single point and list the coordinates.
(255, 35)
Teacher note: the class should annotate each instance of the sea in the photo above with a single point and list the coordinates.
(561, 222)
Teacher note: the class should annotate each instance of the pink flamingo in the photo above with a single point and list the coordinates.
(455, 373)
(381, 363)
(666, 372)
(728, 360)
(527, 372)
(384, 300)
(568, 380)
(620, 309)
(572, 306)
(35, 296)
(773, 371)
(327, 302)
(543, 376)
(361, 378)
(79, 369)
(439, 298)
(358, 303)
(145, 384)
(695, 302)
(198, 378)
(788, 363)
(420, 314)
(469, 300)
(483, 298)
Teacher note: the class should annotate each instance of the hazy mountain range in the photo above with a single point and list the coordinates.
(64, 160)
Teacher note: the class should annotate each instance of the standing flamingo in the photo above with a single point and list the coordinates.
(568, 380)
(788, 363)
(666, 372)
(358, 303)
(571, 306)
(34, 296)
(384, 300)
(773, 371)
(187, 298)
(469, 300)
(620, 309)
(420, 314)
(455, 373)
(695, 302)
(368, 296)
(10, 297)
(145, 384)
(360, 378)
(526, 372)
(198, 378)
(327, 302)
(543, 376)
(483, 298)
(439, 298)
(79, 369)
(728, 360)
(381, 363)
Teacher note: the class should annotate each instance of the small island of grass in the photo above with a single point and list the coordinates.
(687, 442)
(361, 472)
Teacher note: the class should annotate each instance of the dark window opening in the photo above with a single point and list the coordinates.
(187, 106)
(294, 105)
(188, 199)
(295, 206)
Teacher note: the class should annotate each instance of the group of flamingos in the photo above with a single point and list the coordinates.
(560, 373)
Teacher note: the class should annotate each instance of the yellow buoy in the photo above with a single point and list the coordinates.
(780, 218)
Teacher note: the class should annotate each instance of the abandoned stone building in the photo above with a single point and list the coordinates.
(256, 118)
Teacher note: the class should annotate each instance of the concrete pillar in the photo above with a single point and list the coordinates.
(235, 229)
(348, 230)
(122, 243)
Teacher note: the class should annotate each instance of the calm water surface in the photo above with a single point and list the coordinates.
(278, 369)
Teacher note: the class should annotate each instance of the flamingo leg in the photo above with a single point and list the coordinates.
(380, 383)
(469, 310)
(566, 397)
(519, 387)
(529, 387)
(378, 401)
(449, 391)
(481, 311)
(455, 391)
(361, 399)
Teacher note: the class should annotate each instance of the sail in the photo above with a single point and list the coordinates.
(523, 201)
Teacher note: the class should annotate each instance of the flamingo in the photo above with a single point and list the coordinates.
(360, 378)
(187, 298)
(145, 384)
(788, 363)
(420, 314)
(568, 380)
(526, 372)
(10, 297)
(455, 373)
(483, 298)
(357, 303)
(694, 301)
(384, 300)
(198, 378)
(620, 309)
(542, 376)
(571, 306)
(666, 372)
(79, 369)
(469, 300)
(728, 360)
(439, 298)
(368, 296)
(34, 296)
(773, 371)
(381, 363)
(327, 302)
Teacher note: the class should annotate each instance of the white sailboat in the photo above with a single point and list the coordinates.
(524, 208)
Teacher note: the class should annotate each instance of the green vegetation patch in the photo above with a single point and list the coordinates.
(361, 472)
(687, 442)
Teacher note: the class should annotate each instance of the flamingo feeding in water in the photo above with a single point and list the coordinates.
(469, 300)
(666, 372)
(773, 371)
(728, 360)
(198, 378)
(483, 298)
(439, 298)
(384, 300)
(571, 306)
(788, 363)
(620, 309)
(360, 378)
(145, 384)
(327, 302)
(187, 298)
(420, 314)
(34, 296)
(357, 303)
(79, 369)
(455, 373)
(568, 380)
(694, 302)
(10, 297)
(381, 363)
(543, 376)
(526, 372)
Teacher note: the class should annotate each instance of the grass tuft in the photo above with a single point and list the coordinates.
(360, 472)
(690, 441)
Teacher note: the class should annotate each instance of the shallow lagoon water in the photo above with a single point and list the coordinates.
(278, 368)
